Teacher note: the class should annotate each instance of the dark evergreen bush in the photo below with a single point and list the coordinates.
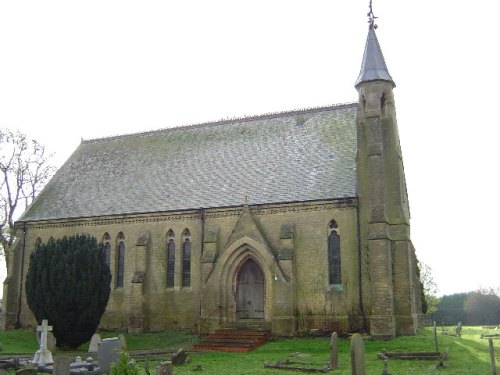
(68, 283)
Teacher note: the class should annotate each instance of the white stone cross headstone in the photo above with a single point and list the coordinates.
(44, 328)
(43, 356)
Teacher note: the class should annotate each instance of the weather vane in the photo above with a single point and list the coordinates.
(371, 17)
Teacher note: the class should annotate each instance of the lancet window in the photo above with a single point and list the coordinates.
(334, 269)
(186, 258)
(120, 259)
(170, 256)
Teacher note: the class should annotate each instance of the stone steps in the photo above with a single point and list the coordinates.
(234, 340)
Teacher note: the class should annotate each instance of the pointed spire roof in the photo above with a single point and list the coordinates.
(373, 67)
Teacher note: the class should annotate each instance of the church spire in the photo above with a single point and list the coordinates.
(373, 66)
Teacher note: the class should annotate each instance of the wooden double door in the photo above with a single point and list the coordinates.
(250, 291)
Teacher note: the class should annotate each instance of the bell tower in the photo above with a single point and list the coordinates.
(391, 289)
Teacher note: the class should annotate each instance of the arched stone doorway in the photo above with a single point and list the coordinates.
(250, 291)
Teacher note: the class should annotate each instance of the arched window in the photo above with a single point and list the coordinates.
(106, 247)
(186, 258)
(170, 256)
(120, 259)
(334, 274)
(38, 243)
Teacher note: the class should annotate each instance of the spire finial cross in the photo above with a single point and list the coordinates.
(371, 17)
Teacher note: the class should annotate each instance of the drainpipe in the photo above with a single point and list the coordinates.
(18, 319)
(202, 219)
(360, 278)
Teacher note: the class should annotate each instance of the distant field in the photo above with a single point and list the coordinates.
(466, 355)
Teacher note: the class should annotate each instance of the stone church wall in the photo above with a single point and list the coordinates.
(289, 242)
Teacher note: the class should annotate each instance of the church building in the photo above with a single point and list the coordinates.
(293, 221)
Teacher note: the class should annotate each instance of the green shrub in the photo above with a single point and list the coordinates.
(68, 283)
(124, 366)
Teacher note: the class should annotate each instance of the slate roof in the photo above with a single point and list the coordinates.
(286, 157)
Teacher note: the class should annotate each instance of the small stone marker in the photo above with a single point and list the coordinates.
(179, 358)
(61, 365)
(43, 356)
(385, 371)
(94, 343)
(164, 368)
(107, 353)
(334, 351)
(436, 338)
(357, 355)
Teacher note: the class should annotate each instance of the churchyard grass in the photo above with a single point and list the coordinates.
(466, 355)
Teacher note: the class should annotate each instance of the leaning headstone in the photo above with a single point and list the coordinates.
(107, 353)
(94, 343)
(334, 351)
(357, 355)
(165, 368)
(51, 341)
(43, 356)
(123, 342)
(61, 365)
(179, 358)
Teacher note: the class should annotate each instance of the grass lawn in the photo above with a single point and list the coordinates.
(466, 355)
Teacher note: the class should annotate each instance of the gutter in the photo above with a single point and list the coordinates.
(202, 219)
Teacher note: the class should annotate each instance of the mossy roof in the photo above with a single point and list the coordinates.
(292, 156)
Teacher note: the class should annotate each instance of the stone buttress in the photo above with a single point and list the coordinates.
(389, 276)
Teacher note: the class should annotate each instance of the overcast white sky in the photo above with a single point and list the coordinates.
(88, 69)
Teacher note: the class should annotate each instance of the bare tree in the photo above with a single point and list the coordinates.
(24, 170)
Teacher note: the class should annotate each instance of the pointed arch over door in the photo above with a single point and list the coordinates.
(250, 291)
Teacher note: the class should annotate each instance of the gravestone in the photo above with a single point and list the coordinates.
(43, 356)
(458, 329)
(51, 341)
(165, 368)
(357, 355)
(61, 365)
(334, 351)
(107, 353)
(94, 343)
(179, 358)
